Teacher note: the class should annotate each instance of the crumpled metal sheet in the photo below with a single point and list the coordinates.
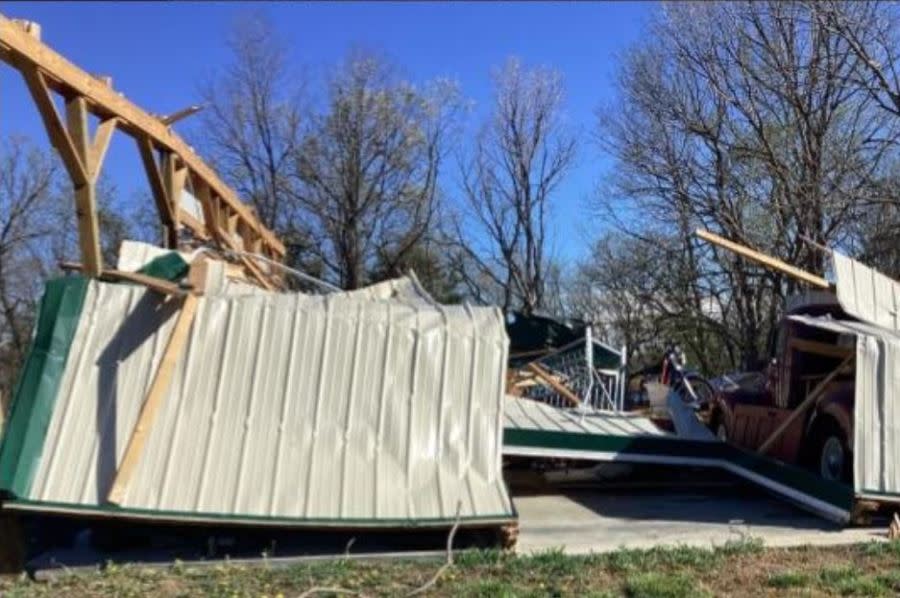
(866, 293)
(290, 406)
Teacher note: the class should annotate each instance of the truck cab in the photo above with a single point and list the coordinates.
(801, 359)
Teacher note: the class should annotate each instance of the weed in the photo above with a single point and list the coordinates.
(477, 557)
(789, 579)
(551, 563)
(849, 581)
(661, 585)
(743, 546)
(880, 549)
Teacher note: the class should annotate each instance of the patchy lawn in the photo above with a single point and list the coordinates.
(738, 569)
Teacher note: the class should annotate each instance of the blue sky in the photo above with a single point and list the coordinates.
(158, 52)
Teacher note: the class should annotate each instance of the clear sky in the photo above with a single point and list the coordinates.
(157, 53)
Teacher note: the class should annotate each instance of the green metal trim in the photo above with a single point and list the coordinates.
(635, 445)
(114, 511)
(38, 383)
(835, 494)
(170, 266)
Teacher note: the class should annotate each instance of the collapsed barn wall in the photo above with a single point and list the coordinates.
(336, 408)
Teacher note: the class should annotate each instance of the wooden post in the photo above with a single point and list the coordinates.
(86, 194)
(158, 388)
(811, 399)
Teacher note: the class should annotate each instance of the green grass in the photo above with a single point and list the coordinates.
(788, 579)
(661, 585)
(850, 581)
(742, 568)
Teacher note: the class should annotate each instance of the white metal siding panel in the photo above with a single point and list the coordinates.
(866, 293)
(876, 426)
(313, 407)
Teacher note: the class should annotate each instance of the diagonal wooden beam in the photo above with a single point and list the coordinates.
(811, 399)
(59, 136)
(100, 145)
(547, 377)
(763, 259)
(159, 190)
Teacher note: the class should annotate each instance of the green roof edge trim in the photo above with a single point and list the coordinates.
(835, 494)
(38, 383)
(114, 511)
(170, 266)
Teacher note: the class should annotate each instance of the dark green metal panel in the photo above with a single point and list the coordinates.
(38, 384)
(170, 266)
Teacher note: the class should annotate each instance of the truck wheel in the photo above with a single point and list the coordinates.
(832, 457)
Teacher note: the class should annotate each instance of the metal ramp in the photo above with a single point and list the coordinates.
(534, 429)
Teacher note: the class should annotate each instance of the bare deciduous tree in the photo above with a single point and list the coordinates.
(27, 180)
(738, 117)
(369, 168)
(522, 153)
(252, 125)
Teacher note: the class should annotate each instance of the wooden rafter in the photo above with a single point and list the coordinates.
(45, 70)
(764, 260)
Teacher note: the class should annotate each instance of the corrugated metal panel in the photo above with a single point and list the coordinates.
(866, 293)
(134, 255)
(528, 414)
(406, 289)
(876, 433)
(288, 406)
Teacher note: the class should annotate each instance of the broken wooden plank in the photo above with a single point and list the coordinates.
(764, 260)
(158, 388)
(547, 377)
(151, 282)
(811, 399)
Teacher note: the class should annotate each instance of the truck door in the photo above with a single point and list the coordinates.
(758, 416)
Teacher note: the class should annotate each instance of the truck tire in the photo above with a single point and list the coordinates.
(831, 457)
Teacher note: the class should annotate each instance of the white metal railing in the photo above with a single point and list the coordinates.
(573, 366)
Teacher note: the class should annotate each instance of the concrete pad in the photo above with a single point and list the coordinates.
(583, 521)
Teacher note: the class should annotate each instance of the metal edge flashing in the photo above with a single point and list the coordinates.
(38, 384)
(170, 266)
(831, 501)
(131, 513)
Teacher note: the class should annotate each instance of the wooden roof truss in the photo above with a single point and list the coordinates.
(170, 164)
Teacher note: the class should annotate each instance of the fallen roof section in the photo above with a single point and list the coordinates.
(534, 429)
(285, 409)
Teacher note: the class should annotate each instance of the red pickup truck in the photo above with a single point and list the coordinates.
(821, 440)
